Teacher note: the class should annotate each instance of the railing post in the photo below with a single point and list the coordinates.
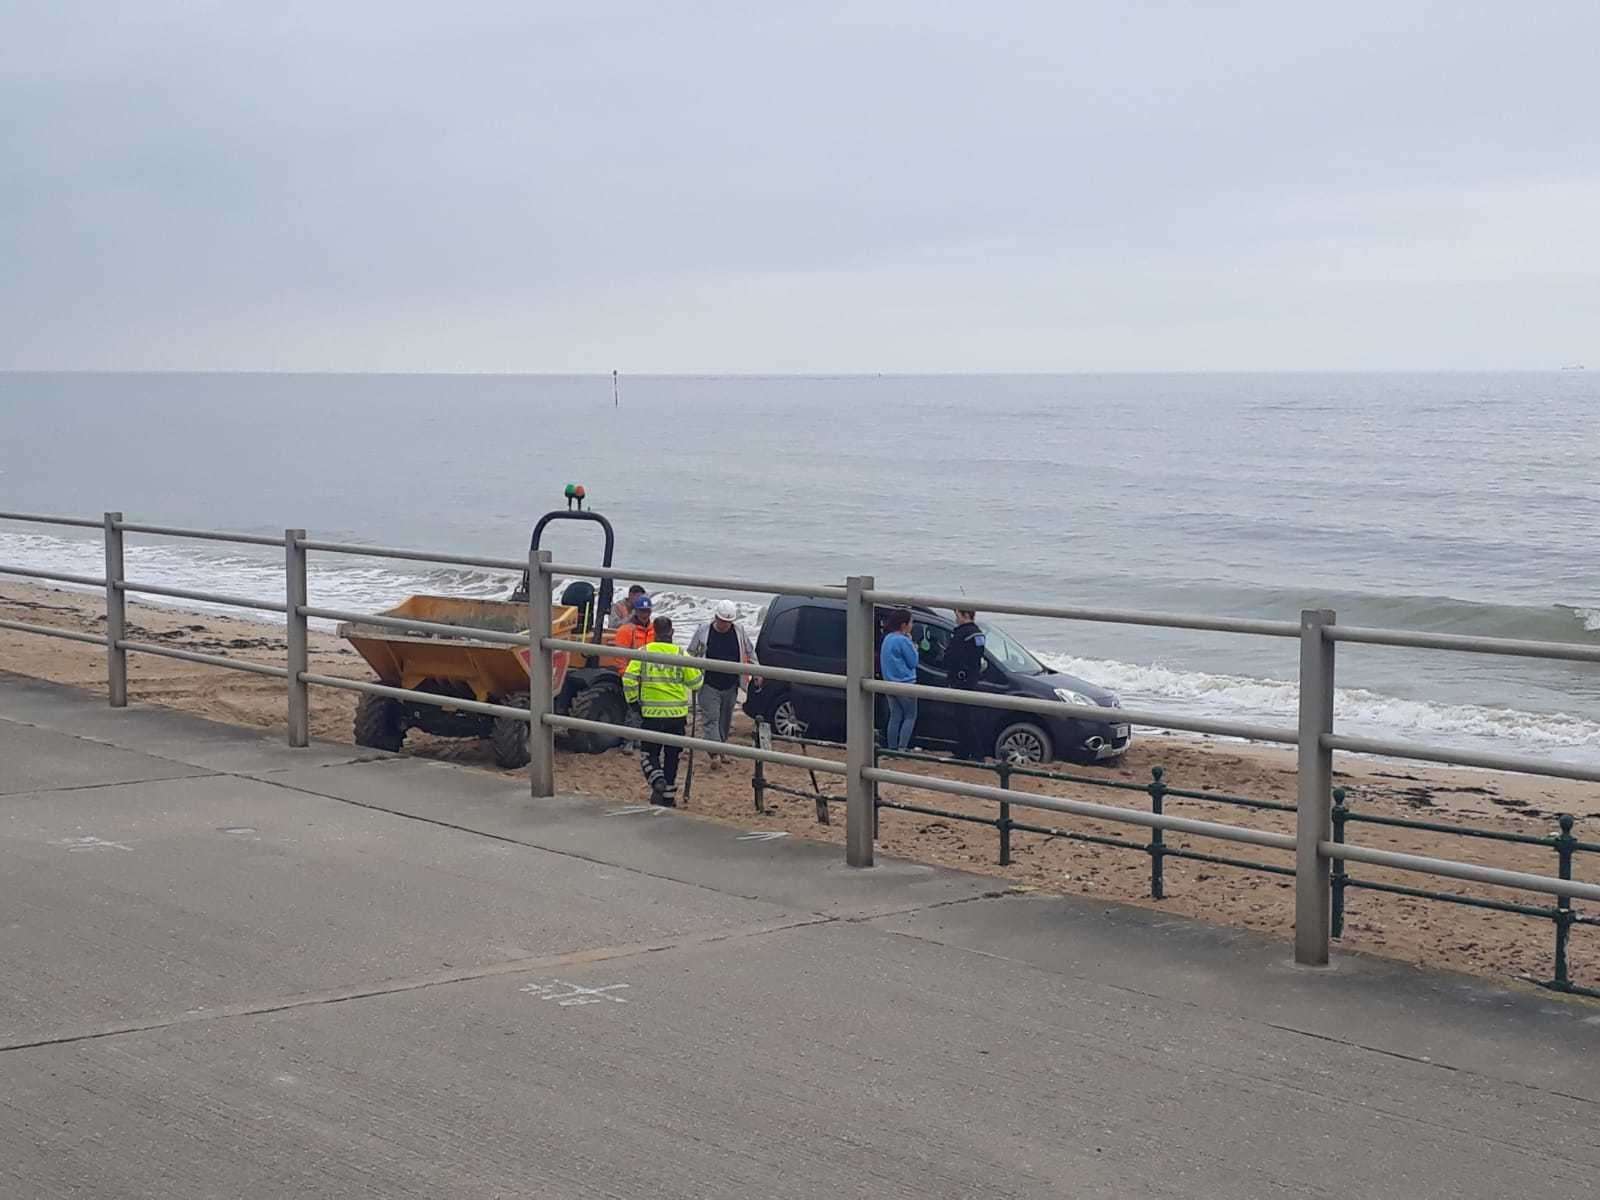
(1004, 823)
(541, 680)
(1313, 820)
(1158, 840)
(758, 777)
(877, 761)
(1340, 876)
(1564, 846)
(294, 559)
(116, 616)
(859, 808)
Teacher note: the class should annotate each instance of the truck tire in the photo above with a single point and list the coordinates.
(603, 703)
(509, 737)
(379, 723)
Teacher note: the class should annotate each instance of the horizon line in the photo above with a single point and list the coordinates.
(606, 373)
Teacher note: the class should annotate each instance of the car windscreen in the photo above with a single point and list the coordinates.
(1009, 653)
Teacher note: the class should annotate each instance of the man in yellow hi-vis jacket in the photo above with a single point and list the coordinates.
(663, 695)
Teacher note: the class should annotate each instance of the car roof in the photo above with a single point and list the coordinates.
(781, 603)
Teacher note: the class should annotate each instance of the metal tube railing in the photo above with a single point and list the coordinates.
(209, 660)
(71, 635)
(46, 519)
(642, 575)
(1318, 633)
(1515, 647)
(177, 593)
(204, 535)
(1472, 872)
(1085, 808)
(455, 560)
(433, 698)
(1521, 763)
(1081, 712)
(786, 674)
(1114, 616)
(53, 576)
(412, 624)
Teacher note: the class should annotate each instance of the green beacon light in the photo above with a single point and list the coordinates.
(574, 493)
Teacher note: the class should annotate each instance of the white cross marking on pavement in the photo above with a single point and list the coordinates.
(75, 844)
(574, 995)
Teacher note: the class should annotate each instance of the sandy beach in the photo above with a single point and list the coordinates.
(1420, 931)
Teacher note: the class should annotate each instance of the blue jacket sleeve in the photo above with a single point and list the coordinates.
(899, 656)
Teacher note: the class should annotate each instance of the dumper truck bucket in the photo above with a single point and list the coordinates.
(488, 670)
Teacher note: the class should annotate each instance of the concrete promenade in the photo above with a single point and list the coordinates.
(233, 969)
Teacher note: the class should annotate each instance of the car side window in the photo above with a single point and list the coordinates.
(821, 632)
(781, 630)
(932, 642)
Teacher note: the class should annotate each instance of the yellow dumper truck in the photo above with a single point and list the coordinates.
(470, 668)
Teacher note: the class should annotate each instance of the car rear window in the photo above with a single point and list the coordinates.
(780, 630)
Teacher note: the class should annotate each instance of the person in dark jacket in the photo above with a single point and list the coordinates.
(964, 662)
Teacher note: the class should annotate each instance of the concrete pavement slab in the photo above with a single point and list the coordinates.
(393, 978)
(1453, 1021)
(137, 902)
(35, 758)
(829, 1060)
(679, 845)
(162, 732)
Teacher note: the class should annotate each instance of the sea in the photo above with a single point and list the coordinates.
(1458, 503)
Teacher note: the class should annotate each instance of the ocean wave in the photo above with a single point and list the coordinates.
(1356, 710)
(1587, 615)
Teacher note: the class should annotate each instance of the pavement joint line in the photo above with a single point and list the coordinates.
(1192, 1004)
(866, 918)
(515, 966)
(375, 759)
(503, 837)
(92, 787)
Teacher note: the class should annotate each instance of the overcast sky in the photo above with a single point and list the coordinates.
(916, 186)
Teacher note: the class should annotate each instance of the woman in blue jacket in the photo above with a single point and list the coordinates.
(898, 659)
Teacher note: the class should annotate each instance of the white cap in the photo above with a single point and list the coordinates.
(727, 611)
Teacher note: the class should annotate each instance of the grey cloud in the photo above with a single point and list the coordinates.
(709, 186)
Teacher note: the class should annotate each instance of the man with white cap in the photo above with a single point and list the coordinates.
(722, 638)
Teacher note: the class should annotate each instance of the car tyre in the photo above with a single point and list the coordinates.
(786, 722)
(1023, 744)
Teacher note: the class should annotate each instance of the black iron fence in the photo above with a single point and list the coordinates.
(1563, 843)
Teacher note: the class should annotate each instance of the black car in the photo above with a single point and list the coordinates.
(809, 634)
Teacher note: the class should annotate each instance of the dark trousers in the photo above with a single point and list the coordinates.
(660, 763)
(969, 735)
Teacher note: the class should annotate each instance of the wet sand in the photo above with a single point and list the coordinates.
(1415, 930)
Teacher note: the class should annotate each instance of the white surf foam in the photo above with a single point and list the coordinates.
(1357, 711)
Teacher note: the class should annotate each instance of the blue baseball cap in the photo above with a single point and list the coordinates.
(642, 604)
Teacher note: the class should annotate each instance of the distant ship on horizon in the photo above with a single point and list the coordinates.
(1574, 367)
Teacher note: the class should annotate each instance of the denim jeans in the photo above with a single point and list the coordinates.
(902, 721)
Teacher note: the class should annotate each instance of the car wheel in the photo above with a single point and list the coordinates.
(1023, 744)
(786, 722)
